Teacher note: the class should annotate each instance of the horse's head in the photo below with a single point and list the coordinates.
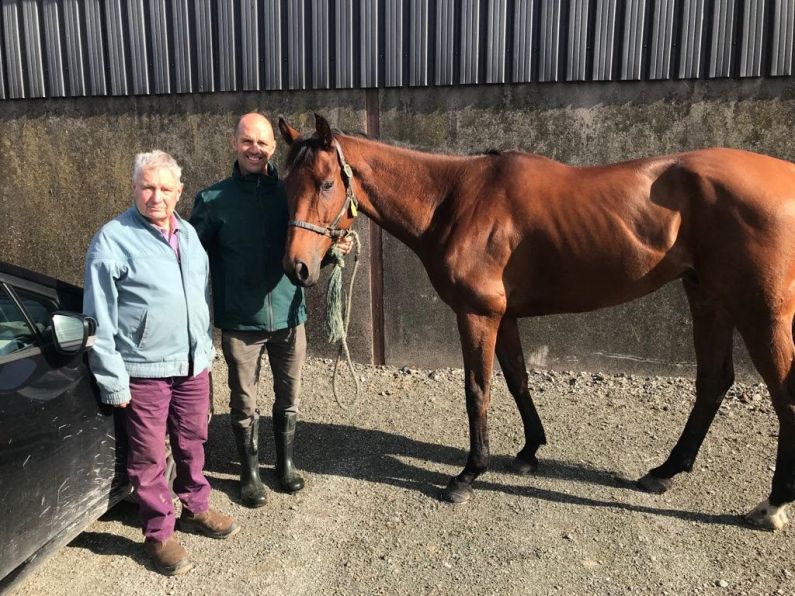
(320, 199)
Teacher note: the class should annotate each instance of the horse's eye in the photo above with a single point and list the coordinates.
(327, 185)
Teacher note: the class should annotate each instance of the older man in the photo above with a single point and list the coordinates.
(242, 222)
(146, 283)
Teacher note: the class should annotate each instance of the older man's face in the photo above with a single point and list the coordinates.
(253, 144)
(156, 192)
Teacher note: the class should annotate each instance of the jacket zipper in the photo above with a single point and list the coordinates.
(269, 297)
(178, 257)
(185, 294)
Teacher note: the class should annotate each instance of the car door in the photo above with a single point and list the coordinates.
(59, 465)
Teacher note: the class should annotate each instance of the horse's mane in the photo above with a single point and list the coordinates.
(305, 148)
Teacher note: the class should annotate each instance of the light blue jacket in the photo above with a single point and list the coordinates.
(152, 310)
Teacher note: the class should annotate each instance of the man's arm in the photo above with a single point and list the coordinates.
(209, 299)
(201, 219)
(100, 300)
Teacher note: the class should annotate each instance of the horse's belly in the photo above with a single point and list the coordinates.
(551, 304)
(580, 286)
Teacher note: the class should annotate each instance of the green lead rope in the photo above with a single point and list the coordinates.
(337, 323)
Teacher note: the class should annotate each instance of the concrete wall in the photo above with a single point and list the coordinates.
(578, 124)
(65, 170)
(66, 166)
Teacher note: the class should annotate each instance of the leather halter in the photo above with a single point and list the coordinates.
(331, 230)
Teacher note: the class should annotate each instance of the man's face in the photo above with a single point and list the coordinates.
(253, 144)
(156, 193)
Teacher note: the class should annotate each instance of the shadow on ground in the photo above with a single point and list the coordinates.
(104, 544)
(382, 457)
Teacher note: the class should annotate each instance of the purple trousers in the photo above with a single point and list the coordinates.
(177, 406)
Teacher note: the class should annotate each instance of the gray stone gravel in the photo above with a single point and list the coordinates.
(369, 522)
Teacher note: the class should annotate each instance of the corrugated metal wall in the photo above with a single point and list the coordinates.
(57, 48)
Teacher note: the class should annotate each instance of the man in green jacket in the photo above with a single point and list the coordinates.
(242, 223)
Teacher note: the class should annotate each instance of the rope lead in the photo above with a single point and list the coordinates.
(336, 323)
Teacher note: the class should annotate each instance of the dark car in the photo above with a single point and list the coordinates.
(61, 451)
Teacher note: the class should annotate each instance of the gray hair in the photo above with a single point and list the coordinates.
(155, 159)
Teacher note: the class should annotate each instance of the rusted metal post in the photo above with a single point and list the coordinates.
(372, 109)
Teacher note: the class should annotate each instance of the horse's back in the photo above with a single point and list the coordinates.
(740, 221)
(752, 185)
(624, 229)
(745, 172)
(739, 189)
(558, 238)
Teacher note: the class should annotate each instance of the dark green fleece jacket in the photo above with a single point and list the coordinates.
(242, 224)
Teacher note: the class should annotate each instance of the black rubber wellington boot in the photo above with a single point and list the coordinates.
(284, 435)
(252, 491)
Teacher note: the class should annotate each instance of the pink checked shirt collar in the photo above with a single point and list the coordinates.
(170, 235)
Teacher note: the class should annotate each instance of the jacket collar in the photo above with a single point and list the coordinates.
(140, 218)
(252, 181)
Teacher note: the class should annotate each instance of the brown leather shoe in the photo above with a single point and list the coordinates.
(210, 523)
(169, 557)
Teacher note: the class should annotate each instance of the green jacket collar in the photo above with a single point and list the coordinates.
(250, 182)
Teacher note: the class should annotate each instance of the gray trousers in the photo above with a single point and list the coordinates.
(243, 351)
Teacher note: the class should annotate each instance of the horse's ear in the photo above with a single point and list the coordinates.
(323, 130)
(289, 134)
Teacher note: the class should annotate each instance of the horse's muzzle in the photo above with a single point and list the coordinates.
(301, 274)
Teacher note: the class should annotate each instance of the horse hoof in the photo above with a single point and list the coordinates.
(768, 517)
(456, 492)
(655, 485)
(523, 467)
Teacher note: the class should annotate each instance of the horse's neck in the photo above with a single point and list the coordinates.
(401, 188)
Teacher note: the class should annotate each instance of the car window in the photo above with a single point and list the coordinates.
(39, 308)
(15, 333)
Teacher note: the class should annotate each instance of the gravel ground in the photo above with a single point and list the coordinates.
(369, 522)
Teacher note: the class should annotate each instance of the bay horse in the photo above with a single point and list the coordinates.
(511, 234)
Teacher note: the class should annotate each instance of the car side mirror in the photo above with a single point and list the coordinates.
(72, 333)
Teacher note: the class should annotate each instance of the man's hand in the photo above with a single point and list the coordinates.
(124, 405)
(345, 244)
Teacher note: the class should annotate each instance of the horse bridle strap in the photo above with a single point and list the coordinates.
(331, 230)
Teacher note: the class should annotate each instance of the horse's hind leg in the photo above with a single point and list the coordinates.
(771, 347)
(511, 358)
(712, 334)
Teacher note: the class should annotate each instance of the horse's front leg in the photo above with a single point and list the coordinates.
(511, 359)
(478, 336)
